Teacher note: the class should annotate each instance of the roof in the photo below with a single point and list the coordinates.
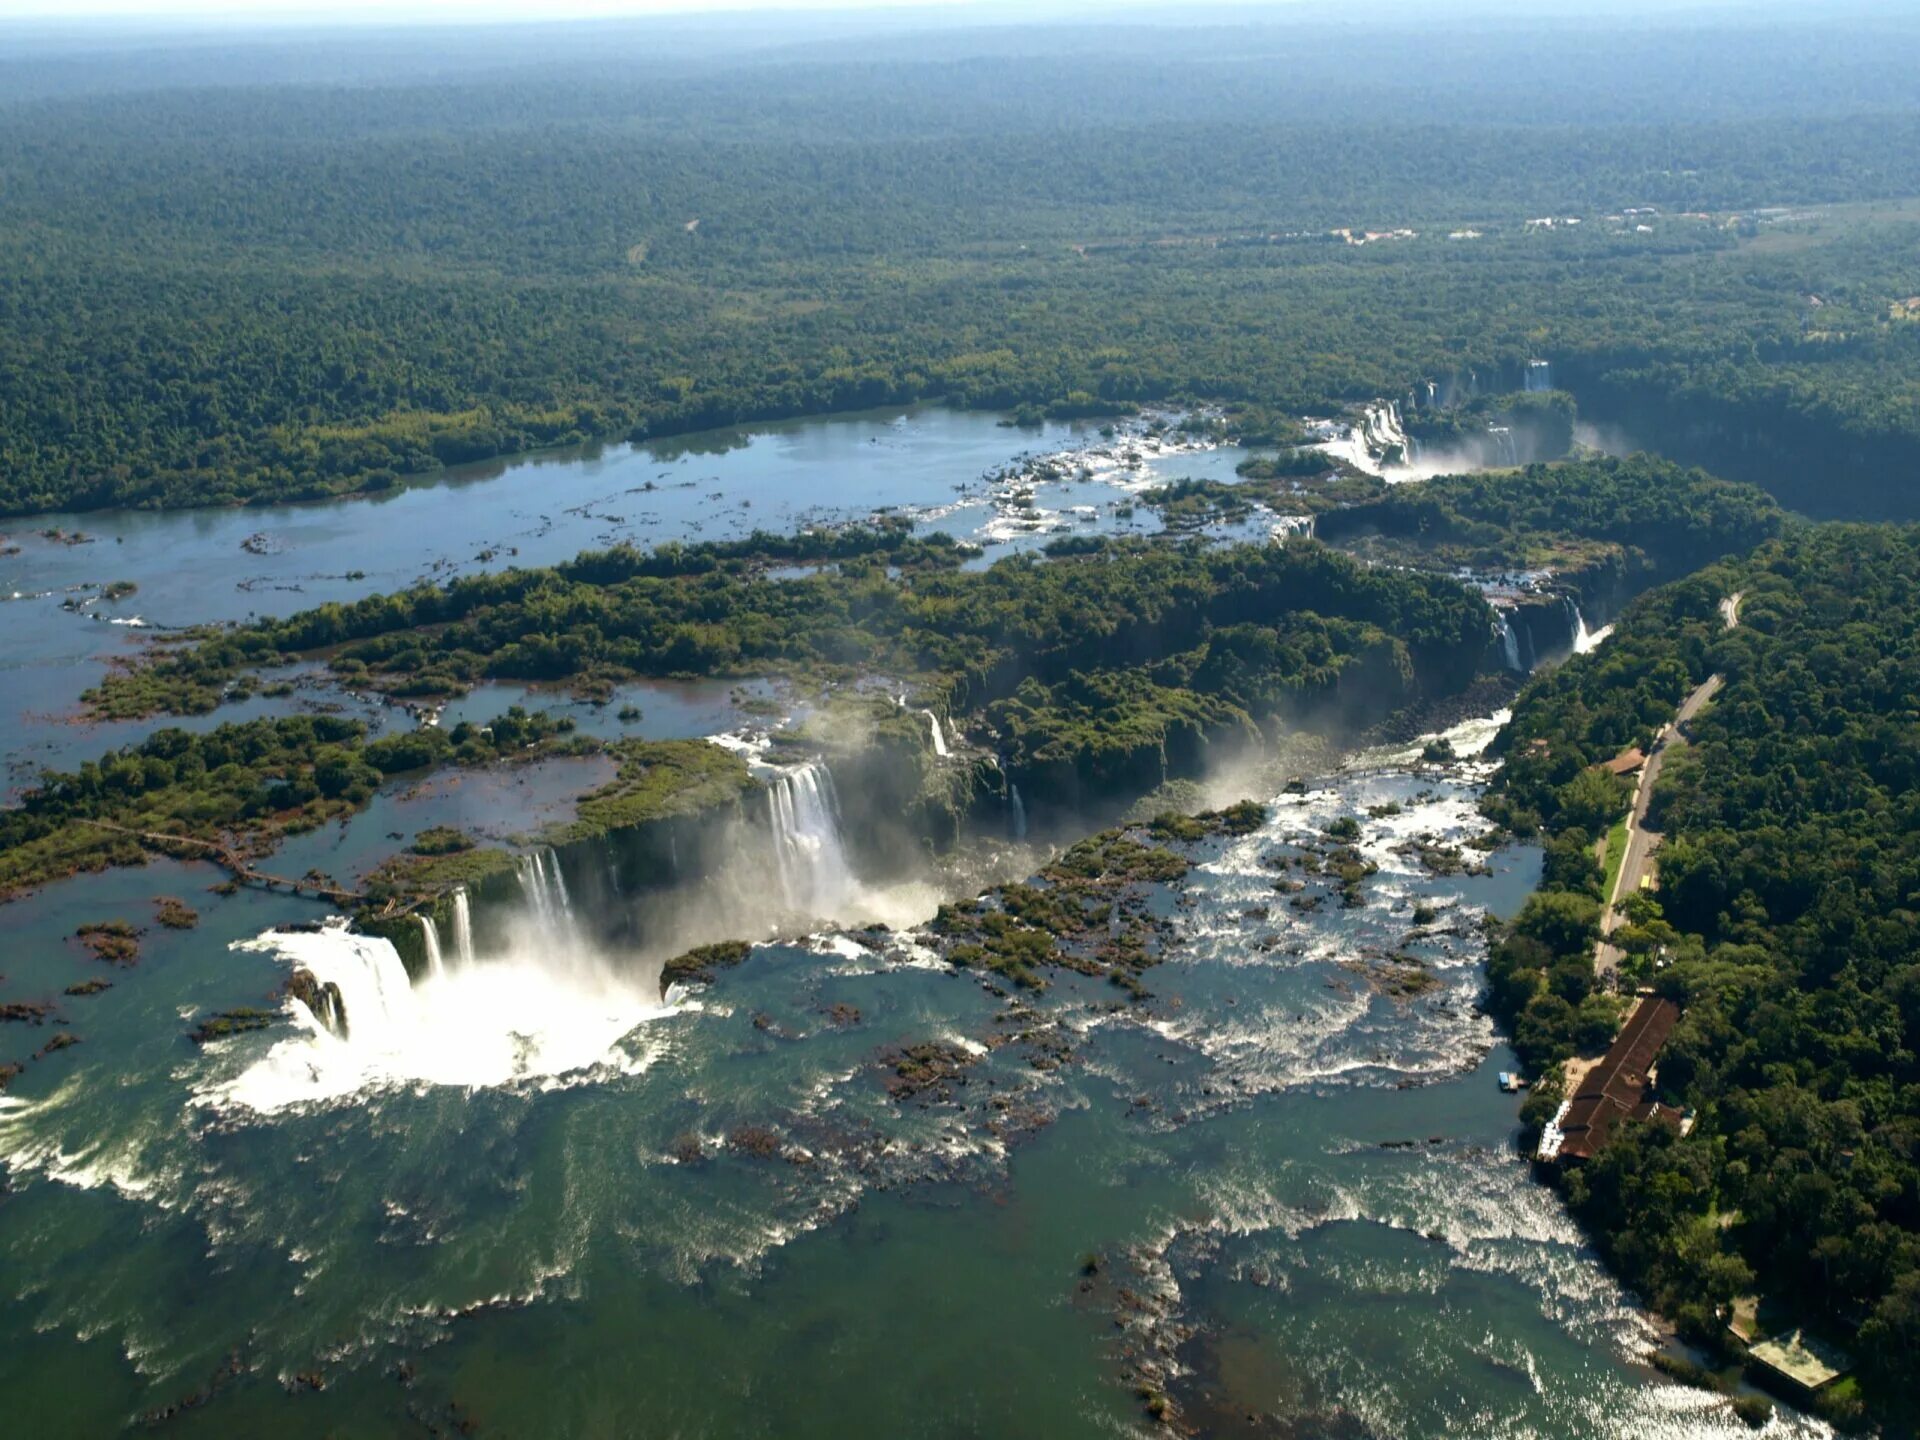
(1626, 762)
(1808, 1362)
(1614, 1088)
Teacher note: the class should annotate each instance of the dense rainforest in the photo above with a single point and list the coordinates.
(217, 289)
(272, 271)
(1783, 923)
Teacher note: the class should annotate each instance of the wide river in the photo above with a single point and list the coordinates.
(529, 1196)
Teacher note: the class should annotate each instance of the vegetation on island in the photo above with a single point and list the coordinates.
(1662, 519)
(231, 793)
(1783, 923)
(1098, 670)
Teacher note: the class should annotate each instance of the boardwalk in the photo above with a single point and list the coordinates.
(242, 870)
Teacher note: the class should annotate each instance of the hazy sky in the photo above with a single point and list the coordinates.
(418, 9)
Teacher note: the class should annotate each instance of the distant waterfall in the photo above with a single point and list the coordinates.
(1285, 526)
(939, 737)
(1016, 811)
(1502, 437)
(546, 891)
(1381, 432)
(462, 927)
(1510, 643)
(814, 870)
(435, 965)
(1584, 639)
(1539, 376)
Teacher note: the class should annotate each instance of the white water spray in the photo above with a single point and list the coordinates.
(814, 871)
(528, 1014)
(1585, 640)
(436, 966)
(462, 927)
(547, 899)
(1510, 643)
(939, 737)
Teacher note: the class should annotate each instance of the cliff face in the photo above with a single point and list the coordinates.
(1809, 462)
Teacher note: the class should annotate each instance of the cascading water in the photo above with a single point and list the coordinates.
(535, 1011)
(814, 871)
(546, 891)
(1539, 376)
(1381, 432)
(1510, 643)
(462, 927)
(1584, 639)
(939, 737)
(1502, 438)
(1016, 811)
(435, 965)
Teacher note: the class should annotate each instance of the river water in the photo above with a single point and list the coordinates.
(962, 473)
(531, 1195)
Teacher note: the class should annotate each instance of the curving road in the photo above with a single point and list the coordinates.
(1642, 842)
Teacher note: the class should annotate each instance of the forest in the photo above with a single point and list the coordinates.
(1784, 924)
(267, 272)
(214, 291)
(1095, 676)
(1670, 519)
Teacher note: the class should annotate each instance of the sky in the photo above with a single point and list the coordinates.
(396, 10)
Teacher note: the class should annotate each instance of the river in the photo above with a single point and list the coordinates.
(532, 1195)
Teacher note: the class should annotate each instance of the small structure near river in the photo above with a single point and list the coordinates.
(1617, 1088)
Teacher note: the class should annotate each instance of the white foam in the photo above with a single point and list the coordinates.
(530, 1015)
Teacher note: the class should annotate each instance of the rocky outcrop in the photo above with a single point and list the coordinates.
(322, 999)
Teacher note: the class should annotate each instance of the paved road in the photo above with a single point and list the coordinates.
(1642, 842)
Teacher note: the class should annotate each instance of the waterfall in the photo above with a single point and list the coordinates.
(939, 739)
(1502, 436)
(546, 891)
(462, 927)
(359, 1023)
(1510, 643)
(435, 965)
(1017, 811)
(1381, 433)
(814, 870)
(1289, 525)
(1585, 640)
(1539, 376)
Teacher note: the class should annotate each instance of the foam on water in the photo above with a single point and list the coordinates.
(529, 1015)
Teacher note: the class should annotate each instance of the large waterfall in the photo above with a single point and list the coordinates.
(534, 1011)
(1539, 375)
(814, 872)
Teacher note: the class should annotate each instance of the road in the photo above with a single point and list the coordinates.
(1642, 842)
